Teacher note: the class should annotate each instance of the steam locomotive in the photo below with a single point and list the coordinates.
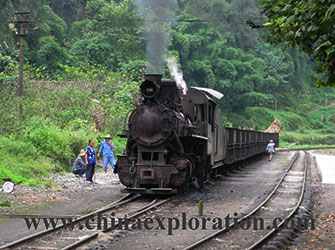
(175, 139)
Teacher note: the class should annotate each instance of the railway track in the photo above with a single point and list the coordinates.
(262, 241)
(66, 236)
(292, 180)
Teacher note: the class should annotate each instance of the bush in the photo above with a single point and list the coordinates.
(239, 121)
(262, 117)
(324, 117)
(49, 140)
(78, 140)
(290, 121)
(19, 162)
(19, 148)
(308, 138)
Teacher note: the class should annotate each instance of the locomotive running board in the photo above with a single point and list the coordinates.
(152, 190)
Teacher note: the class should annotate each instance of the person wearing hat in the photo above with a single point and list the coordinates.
(79, 166)
(107, 148)
(270, 148)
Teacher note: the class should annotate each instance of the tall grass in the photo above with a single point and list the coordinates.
(310, 138)
(21, 161)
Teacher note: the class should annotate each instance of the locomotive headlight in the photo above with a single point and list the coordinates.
(149, 89)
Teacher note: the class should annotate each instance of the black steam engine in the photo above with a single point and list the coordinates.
(174, 139)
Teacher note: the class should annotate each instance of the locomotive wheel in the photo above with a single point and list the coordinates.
(183, 189)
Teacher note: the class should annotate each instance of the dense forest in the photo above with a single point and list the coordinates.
(84, 60)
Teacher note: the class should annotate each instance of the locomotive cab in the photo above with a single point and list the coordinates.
(208, 133)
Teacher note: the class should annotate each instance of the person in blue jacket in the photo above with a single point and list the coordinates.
(107, 148)
(90, 161)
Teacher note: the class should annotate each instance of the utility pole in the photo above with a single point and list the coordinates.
(21, 21)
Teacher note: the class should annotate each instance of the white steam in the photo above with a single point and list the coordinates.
(176, 72)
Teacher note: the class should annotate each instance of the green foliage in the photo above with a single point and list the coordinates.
(307, 25)
(78, 30)
(54, 25)
(9, 106)
(323, 117)
(21, 148)
(112, 35)
(21, 161)
(134, 69)
(50, 55)
(5, 204)
(48, 139)
(96, 51)
(8, 64)
(292, 120)
(8, 57)
(255, 99)
(310, 138)
(262, 117)
(238, 121)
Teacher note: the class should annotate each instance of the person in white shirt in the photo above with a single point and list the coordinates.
(270, 148)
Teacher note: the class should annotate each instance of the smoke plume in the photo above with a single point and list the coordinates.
(176, 72)
(158, 16)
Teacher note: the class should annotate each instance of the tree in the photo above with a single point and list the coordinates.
(117, 28)
(95, 51)
(308, 25)
(50, 55)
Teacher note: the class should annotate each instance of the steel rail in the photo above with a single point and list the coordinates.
(226, 229)
(136, 213)
(125, 199)
(266, 237)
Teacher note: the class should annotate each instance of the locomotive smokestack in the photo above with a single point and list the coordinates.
(151, 86)
(157, 78)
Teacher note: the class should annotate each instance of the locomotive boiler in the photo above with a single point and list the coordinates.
(174, 139)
